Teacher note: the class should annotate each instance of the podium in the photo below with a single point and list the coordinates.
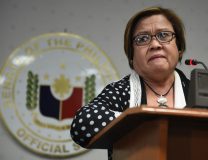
(150, 133)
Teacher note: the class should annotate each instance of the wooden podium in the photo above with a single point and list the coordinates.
(148, 133)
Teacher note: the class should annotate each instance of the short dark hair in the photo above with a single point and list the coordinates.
(176, 22)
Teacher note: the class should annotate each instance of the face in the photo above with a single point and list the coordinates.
(155, 57)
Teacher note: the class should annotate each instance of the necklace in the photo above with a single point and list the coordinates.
(162, 100)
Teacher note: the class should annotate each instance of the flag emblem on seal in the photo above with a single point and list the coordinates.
(50, 106)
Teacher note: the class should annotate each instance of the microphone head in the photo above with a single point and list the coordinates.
(191, 62)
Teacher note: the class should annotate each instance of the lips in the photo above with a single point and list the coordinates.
(155, 57)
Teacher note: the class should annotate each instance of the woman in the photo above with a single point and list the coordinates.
(154, 43)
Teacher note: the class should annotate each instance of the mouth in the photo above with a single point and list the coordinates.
(154, 57)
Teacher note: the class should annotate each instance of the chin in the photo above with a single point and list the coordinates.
(160, 68)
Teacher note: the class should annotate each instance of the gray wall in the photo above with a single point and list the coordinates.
(101, 21)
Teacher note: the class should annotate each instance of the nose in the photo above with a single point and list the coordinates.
(155, 44)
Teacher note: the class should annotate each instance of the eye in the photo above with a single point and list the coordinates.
(142, 38)
(164, 36)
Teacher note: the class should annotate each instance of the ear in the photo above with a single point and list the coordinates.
(131, 64)
(180, 54)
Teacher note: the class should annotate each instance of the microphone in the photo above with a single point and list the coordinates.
(194, 62)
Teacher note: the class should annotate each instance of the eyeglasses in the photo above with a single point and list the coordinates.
(145, 39)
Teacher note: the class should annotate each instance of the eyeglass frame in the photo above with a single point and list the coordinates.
(155, 35)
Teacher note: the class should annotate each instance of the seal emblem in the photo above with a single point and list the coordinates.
(42, 85)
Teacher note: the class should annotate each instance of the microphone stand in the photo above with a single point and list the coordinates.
(198, 87)
(205, 67)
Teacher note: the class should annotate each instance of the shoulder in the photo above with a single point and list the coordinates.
(122, 82)
(116, 94)
(184, 79)
(118, 88)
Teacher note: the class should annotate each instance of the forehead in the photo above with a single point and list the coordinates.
(154, 23)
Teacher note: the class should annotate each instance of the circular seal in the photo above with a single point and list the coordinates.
(42, 85)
